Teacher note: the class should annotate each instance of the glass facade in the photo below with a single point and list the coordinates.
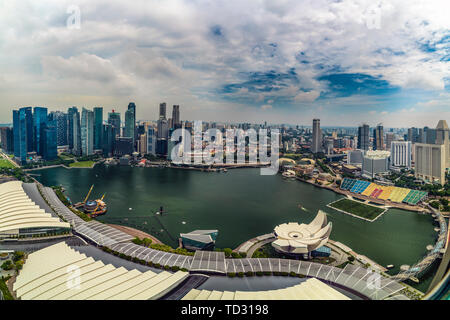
(114, 120)
(61, 120)
(151, 141)
(107, 139)
(87, 132)
(23, 133)
(129, 124)
(49, 138)
(39, 122)
(98, 129)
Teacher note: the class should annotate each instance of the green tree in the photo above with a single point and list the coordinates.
(227, 252)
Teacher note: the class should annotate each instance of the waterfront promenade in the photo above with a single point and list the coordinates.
(135, 233)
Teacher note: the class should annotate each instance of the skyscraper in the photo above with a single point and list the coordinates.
(98, 128)
(114, 120)
(61, 121)
(7, 139)
(176, 117)
(413, 135)
(107, 140)
(363, 137)
(430, 136)
(442, 138)
(389, 139)
(49, 140)
(39, 122)
(151, 141)
(142, 145)
(162, 110)
(162, 136)
(87, 132)
(130, 126)
(132, 106)
(74, 132)
(378, 138)
(23, 133)
(430, 162)
(316, 145)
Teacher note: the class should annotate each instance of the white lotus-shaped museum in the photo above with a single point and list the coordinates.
(294, 238)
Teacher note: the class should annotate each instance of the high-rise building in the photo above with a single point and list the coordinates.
(123, 146)
(378, 138)
(114, 120)
(363, 137)
(49, 140)
(62, 126)
(430, 162)
(430, 136)
(413, 135)
(375, 162)
(316, 145)
(98, 128)
(176, 117)
(442, 138)
(390, 136)
(7, 139)
(23, 133)
(142, 145)
(87, 132)
(142, 128)
(422, 135)
(74, 132)
(39, 121)
(401, 154)
(107, 140)
(162, 136)
(151, 141)
(329, 145)
(162, 110)
(131, 127)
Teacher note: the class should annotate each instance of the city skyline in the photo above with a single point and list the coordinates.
(343, 62)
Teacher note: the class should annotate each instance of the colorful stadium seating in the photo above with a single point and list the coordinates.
(360, 186)
(373, 190)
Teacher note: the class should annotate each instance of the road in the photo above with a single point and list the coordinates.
(9, 159)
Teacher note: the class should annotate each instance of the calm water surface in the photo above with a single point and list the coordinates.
(241, 204)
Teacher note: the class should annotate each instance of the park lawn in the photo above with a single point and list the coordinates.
(357, 208)
(82, 164)
(64, 157)
(5, 164)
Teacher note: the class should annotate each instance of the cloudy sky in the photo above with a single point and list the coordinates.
(279, 61)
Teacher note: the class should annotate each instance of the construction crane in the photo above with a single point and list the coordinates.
(89, 193)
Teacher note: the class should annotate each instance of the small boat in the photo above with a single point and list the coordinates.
(414, 279)
(389, 266)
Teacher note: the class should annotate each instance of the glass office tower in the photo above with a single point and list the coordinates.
(39, 122)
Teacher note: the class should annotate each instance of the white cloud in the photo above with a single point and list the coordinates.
(307, 96)
(151, 51)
